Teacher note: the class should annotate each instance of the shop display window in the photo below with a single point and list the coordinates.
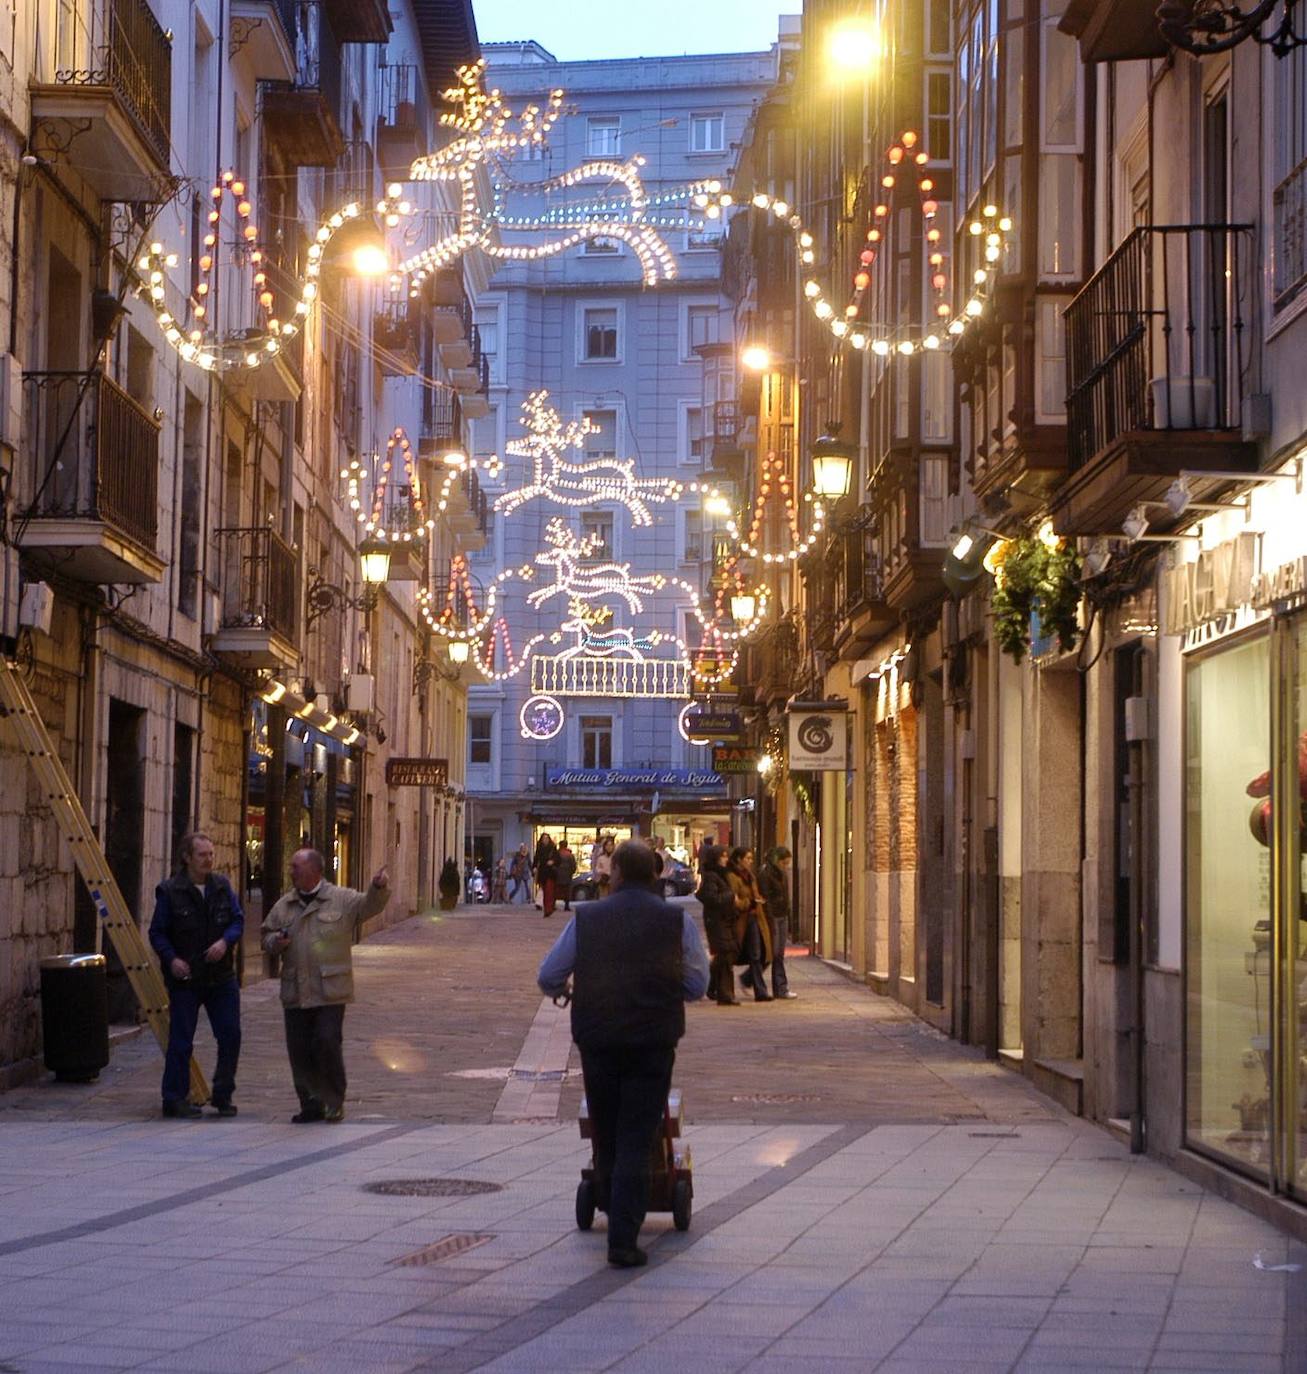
(1228, 905)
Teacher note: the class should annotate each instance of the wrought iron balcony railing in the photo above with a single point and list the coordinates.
(118, 44)
(442, 416)
(260, 575)
(1155, 339)
(96, 452)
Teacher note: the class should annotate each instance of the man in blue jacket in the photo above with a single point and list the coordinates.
(635, 960)
(197, 924)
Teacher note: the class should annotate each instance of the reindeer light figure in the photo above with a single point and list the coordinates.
(552, 478)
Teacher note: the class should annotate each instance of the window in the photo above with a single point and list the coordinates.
(692, 525)
(708, 234)
(602, 135)
(596, 741)
(937, 28)
(701, 327)
(1289, 134)
(601, 248)
(939, 103)
(598, 524)
(1050, 361)
(601, 442)
(707, 133)
(487, 323)
(692, 444)
(599, 334)
(480, 738)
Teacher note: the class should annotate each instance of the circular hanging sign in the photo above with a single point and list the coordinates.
(680, 722)
(541, 717)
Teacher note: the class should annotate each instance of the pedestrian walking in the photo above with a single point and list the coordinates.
(718, 901)
(549, 882)
(499, 888)
(565, 871)
(546, 853)
(519, 876)
(635, 960)
(603, 870)
(197, 924)
(774, 884)
(751, 931)
(313, 927)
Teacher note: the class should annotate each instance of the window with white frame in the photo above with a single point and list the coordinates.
(702, 326)
(1289, 198)
(598, 525)
(708, 132)
(707, 234)
(692, 536)
(601, 441)
(601, 247)
(487, 323)
(603, 133)
(1050, 360)
(596, 741)
(599, 330)
(480, 739)
(936, 514)
(692, 436)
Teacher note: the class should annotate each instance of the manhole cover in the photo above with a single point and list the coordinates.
(775, 1099)
(431, 1187)
(442, 1249)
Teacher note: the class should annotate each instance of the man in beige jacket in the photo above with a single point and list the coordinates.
(313, 927)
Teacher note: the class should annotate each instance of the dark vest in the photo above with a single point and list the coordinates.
(628, 988)
(196, 922)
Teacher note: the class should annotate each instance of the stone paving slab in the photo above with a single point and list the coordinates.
(868, 1196)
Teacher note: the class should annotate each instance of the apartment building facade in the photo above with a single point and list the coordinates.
(183, 589)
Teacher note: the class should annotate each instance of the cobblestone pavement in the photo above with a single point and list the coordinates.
(867, 1196)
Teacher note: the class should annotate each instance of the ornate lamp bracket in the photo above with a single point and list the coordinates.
(1211, 26)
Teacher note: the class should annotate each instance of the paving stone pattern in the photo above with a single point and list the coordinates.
(868, 1195)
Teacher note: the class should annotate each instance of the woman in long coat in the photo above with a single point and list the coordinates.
(719, 913)
(752, 933)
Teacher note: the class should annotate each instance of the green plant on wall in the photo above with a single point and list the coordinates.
(1035, 574)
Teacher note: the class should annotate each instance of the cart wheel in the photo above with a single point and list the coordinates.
(585, 1205)
(681, 1204)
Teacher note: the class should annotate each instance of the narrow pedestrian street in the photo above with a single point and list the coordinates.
(868, 1195)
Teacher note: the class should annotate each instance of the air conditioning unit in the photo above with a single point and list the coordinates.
(36, 607)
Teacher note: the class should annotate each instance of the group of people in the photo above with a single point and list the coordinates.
(197, 924)
(546, 877)
(746, 916)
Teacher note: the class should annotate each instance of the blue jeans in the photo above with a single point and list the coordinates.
(222, 1002)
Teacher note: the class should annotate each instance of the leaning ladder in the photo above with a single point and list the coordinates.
(138, 960)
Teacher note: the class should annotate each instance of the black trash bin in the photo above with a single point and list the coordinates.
(75, 1016)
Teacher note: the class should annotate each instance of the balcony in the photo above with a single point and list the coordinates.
(773, 663)
(401, 137)
(913, 515)
(1114, 30)
(395, 339)
(302, 115)
(452, 327)
(862, 615)
(469, 512)
(1155, 361)
(725, 433)
(360, 21)
(94, 514)
(102, 97)
(263, 37)
(442, 425)
(259, 622)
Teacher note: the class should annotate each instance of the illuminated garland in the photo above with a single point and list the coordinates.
(577, 485)
(374, 525)
(773, 469)
(457, 464)
(471, 622)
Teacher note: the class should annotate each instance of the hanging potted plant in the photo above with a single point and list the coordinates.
(1034, 575)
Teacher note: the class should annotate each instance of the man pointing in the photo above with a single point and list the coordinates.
(313, 928)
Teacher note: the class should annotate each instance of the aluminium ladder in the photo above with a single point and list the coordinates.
(138, 959)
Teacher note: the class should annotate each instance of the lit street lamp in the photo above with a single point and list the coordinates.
(832, 465)
(756, 357)
(459, 651)
(854, 45)
(744, 606)
(374, 559)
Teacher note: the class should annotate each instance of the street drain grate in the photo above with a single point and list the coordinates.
(994, 1135)
(431, 1187)
(442, 1249)
(775, 1099)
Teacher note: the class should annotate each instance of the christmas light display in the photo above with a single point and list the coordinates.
(577, 485)
(576, 577)
(457, 464)
(773, 477)
(541, 717)
(374, 524)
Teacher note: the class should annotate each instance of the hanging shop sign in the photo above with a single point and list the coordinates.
(819, 740)
(734, 758)
(601, 779)
(721, 725)
(417, 772)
